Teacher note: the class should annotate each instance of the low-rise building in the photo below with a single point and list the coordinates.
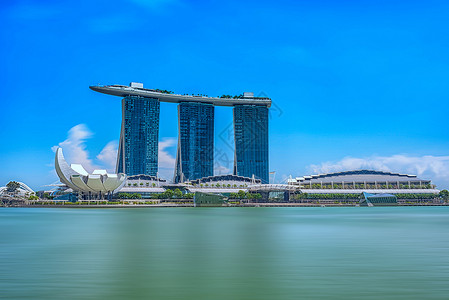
(359, 181)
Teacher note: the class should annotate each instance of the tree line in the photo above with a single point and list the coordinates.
(168, 194)
(245, 195)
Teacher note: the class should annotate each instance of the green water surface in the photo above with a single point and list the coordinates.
(225, 253)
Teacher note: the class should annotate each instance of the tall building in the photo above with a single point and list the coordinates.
(138, 148)
(251, 141)
(139, 136)
(195, 155)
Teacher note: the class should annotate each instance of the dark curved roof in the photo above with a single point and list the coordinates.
(145, 177)
(229, 177)
(360, 176)
(363, 172)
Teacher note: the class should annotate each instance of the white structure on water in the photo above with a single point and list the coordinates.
(22, 191)
(90, 186)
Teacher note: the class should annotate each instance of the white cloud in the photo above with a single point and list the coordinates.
(431, 167)
(75, 150)
(108, 156)
(166, 161)
(74, 147)
(219, 169)
(223, 161)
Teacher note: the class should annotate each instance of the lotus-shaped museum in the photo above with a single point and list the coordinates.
(97, 184)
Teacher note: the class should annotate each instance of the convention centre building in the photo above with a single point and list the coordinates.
(360, 180)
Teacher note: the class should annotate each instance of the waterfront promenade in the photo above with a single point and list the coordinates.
(173, 204)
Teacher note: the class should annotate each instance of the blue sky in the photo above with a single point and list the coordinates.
(356, 84)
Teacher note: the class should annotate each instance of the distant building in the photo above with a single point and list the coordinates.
(251, 141)
(207, 199)
(145, 185)
(361, 179)
(351, 186)
(195, 155)
(138, 146)
(96, 185)
(225, 180)
(23, 190)
(221, 184)
(367, 199)
(144, 178)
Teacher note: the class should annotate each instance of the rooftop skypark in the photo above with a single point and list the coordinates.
(136, 89)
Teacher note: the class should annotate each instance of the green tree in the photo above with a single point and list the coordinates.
(189, 196)
(12, 186)
(123, 196)
(47, 196)
(136, 196)
(168, 194)
(241, 194)
(444, 194)
(178, 193)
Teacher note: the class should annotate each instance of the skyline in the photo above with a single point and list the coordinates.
(353, 85)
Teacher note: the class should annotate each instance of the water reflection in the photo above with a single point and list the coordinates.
(225, 253)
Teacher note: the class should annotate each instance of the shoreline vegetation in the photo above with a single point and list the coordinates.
(149, 204)
(176, 198)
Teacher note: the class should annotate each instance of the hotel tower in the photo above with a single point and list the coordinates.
(139, 135)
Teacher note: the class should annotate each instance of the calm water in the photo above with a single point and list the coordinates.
(225, 253)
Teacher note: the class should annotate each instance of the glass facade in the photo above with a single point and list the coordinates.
(368, 199)
(138, 148)
(195, 155)
(251, 141)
